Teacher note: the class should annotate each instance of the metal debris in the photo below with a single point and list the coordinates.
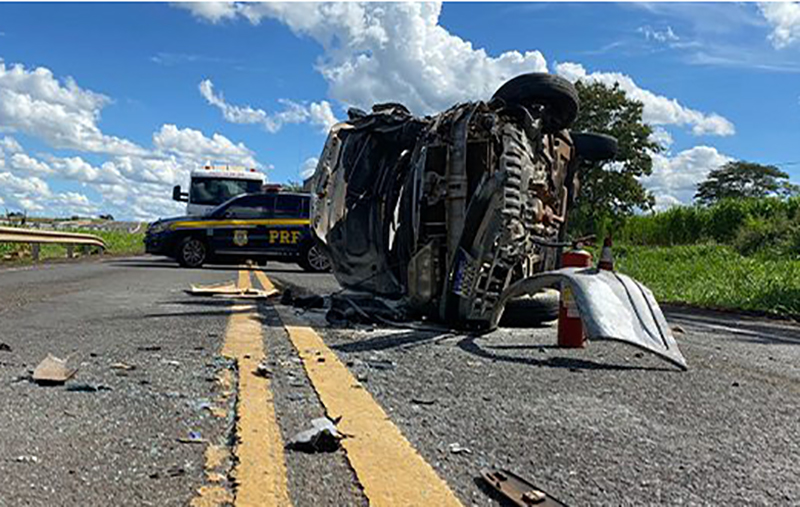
(423, 401)
(53, 371)
(4, 347)
(193, 438)
(88, 388)
(517, 490)
(122, 366)
(456, 448)
(322, 437)
(230, 291)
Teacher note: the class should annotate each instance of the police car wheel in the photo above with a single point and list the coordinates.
(192, 253)
(314, 259)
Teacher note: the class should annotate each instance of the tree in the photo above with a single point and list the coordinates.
(740, 179)
(292, 186)
(611, 190)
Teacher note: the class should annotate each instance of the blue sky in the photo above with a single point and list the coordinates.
(103, 107)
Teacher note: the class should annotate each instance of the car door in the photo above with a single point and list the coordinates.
(289, 225)
(240, 227)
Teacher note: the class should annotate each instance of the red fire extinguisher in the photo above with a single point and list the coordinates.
(570, 328)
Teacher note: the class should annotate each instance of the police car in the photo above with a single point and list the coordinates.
(261, 227)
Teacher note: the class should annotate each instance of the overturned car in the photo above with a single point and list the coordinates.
(451, 215)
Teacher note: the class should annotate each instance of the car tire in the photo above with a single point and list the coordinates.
(556, 94)
(192, 252)
(531, 311)
(314, 259)
(594, 147)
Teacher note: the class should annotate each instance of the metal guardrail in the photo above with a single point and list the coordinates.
(37, 237)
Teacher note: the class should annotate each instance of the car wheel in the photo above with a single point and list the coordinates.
(556, 94)
(594, 147)
(531, 311)
(314, 259)
(192, 253)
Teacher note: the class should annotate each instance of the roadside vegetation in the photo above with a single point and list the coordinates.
(737, 254)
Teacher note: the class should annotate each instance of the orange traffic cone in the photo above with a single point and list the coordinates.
(606, 257)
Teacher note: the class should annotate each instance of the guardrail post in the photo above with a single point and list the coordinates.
(70, 251)
(35, 251)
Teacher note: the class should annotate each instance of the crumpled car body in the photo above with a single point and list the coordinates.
(446, 211)
(447, 216)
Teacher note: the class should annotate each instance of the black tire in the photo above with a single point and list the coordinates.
(558, 95)
(594, 147)
(531, 311)
(311, 259)
(192, 252)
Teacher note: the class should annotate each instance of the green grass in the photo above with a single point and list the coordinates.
(715, 276)
(117, 243)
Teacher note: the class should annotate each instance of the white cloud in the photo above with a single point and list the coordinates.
(389, 52)
(662, 137)
(674, 179)
(658, 110)
(131, 181)
(24, 164)
(193, 145)
(32, 194)
(10, 145)
(63, 115)
(308, 167)
(785, 20)
(317, 113)
(665, 35)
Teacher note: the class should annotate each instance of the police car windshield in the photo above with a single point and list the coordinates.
(215, 191)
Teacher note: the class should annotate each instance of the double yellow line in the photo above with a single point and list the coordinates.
(387, 466)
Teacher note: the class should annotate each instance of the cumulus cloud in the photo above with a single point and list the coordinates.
(785, 20)
(34, 102)
(308, 167)
(389, 52)
(132, 181)
(193, 145)
(658, 110)
(317, 113)
(675, 178)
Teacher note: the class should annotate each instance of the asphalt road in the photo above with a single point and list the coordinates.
(604, 425)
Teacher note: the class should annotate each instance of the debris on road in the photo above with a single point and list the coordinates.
(230, 291)
(423, 401)
(53, 371)
(88, 388)
(262, 370)
(193, 438)
(122, 366)
(4, 347)
(149, 348)
(456, 448)
(27, 458)
(322, 437)
(171, 362)
(380, 364)
(519, 491)
(304, 302)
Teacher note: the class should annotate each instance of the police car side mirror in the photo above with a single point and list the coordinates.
(179, 196)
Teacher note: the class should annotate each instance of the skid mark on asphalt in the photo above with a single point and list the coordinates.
(260, 471)
(386, 464)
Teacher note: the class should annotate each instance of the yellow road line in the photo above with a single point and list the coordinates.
(265, 282)
(260, 472)
(388, 467)
(244, 280)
